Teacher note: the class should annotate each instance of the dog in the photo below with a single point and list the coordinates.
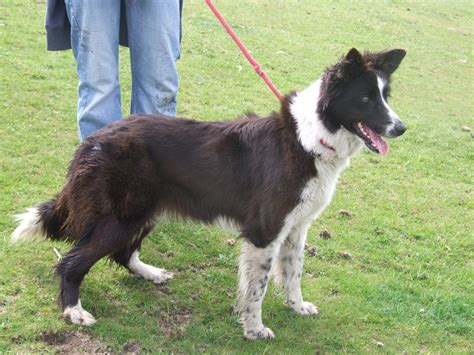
(268, 177)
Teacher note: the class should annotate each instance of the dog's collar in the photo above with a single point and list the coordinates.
(326, 145)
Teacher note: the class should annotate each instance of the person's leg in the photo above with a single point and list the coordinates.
(94, 38)
(154, 39)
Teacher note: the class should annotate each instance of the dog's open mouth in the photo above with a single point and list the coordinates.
(372, 140)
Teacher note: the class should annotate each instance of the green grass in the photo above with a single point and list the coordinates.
(410, 282)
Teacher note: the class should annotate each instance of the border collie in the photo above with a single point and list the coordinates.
(269, 177)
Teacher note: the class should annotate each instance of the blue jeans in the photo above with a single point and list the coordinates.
(154, 38)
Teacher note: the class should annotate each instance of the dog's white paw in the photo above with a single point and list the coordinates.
(148, 272)
(160, 276)
(262, 333)
(77, 315)
(305, 309)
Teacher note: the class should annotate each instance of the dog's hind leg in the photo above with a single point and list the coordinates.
(128, 257)
(254, 269)
(148, 272)
(104, 239)
(289, 268)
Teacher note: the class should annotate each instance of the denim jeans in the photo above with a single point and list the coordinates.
(154, 38)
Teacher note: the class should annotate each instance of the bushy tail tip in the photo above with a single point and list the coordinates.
(30, 228)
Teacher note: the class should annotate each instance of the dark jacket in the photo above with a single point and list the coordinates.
(58, 27)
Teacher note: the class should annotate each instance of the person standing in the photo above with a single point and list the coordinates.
(94, 29)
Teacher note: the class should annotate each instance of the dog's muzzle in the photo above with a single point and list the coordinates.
(396, 129)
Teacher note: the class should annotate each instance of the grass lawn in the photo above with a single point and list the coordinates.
(409, 285)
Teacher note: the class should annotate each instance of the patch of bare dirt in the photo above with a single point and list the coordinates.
(345, 213)
(74, 341)
(230, 242)
(345, 255)
(174, 325)
(163, 289)
(325, 234)
(312, 251)
(131, 347)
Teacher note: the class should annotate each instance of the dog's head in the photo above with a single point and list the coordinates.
(354, 95)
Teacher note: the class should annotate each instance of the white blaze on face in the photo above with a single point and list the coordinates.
(393, 116)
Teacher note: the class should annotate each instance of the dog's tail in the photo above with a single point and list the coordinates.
(44, 221)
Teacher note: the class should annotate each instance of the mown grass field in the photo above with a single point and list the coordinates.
(409, 285)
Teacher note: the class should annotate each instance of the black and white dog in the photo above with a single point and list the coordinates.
(269, 177)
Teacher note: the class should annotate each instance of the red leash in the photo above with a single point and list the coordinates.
(244, 50)
(252, 61)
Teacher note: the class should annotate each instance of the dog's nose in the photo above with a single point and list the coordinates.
(398, 129)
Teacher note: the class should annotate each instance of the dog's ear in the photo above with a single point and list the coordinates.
(354, 56)
(389, 60)
(351, 66)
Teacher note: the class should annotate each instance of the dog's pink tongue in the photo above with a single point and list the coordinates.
(378, 141)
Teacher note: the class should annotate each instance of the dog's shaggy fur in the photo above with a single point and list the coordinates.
(269, 177)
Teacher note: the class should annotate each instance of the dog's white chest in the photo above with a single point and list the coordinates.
(318, 191)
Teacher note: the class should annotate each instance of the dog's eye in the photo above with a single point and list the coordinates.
(365, 99)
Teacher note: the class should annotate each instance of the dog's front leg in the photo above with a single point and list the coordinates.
(289, 268)
(254, 269)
